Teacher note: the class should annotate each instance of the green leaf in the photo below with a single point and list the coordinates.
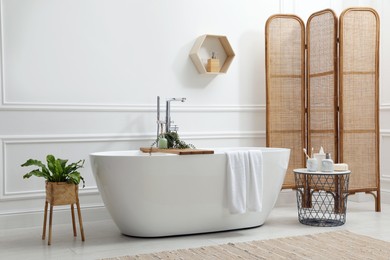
(55, 167)
(81, 178)
(63, 163)
(31, 162)
(58, 167)
(74, 166)
(51, 160)
(74, 177)
(36, 173)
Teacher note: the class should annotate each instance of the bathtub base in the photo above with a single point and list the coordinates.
(195, 234)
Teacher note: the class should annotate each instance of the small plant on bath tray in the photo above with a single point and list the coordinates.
(173, 141)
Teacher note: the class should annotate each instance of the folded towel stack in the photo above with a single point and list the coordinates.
(245, 181)
(340, 167)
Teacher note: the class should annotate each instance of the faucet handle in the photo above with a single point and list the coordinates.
(174, 128)
(176, 99)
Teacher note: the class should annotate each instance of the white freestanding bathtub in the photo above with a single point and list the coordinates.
(166, 194)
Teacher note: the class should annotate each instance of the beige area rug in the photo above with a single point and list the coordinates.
(329, 245)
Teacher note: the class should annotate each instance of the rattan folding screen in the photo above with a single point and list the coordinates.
(322, 87)
(285, 77)
(359, 99)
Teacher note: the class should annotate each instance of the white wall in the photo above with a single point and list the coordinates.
(80, 76)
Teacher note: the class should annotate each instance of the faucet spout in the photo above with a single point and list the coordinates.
(168, 120)
(158, 117)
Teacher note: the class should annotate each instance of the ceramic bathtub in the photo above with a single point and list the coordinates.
(166, 194)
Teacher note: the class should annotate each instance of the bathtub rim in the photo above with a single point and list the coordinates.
(217, 150)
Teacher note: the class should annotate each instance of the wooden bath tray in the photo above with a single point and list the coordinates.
(176, 151)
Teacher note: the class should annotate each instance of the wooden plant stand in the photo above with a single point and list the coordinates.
(62, 193)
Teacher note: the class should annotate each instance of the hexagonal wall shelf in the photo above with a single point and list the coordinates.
(208, 45)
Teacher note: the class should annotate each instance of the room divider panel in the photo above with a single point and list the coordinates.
(285, 78)
(322, 88)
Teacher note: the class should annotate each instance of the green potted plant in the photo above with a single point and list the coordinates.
(62, 187)
(62, 179)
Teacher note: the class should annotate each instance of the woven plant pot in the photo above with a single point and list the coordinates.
(61, 193)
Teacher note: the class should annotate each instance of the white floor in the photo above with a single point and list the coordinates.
(104, 240)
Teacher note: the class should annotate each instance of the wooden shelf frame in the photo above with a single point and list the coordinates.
(200, 43)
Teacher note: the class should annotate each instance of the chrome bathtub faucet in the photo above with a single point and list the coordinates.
(168, 122)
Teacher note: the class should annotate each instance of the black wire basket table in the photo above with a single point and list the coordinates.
(322, 197)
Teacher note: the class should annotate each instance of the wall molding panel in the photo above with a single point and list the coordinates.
(22, 199)
(17, 149)
(385, 165)
(129, 108)
(85, 138)
(385, 106)
(385, 150)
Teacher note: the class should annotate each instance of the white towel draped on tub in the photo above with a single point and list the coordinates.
(244, 181)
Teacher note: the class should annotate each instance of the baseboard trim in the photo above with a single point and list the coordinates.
(61, 215)
(286, 198)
